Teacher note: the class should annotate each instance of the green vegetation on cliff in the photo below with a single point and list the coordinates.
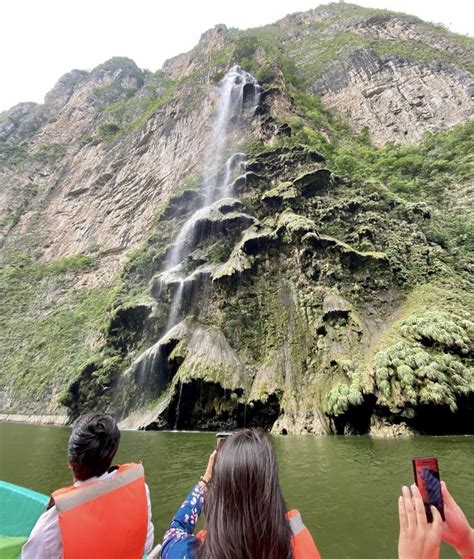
(49, 326)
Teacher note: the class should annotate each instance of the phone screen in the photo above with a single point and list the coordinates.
(428, 482)
(221, 437)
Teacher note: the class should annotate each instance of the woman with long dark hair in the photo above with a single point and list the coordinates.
(246, 515)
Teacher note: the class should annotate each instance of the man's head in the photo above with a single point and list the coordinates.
(92, 446)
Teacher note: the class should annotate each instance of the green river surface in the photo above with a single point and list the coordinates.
(345, 487)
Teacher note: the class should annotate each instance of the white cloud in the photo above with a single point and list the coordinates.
(41, 40)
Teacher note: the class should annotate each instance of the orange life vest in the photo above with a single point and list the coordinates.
(302, 542)
(104, 519)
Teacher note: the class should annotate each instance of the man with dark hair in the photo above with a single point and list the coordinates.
(106, 513)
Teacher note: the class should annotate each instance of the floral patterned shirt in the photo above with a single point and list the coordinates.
(179, 541)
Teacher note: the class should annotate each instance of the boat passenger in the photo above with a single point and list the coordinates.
(246, 515)
(106, 513)
(420, 539)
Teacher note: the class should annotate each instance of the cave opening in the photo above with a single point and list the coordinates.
(440, 420)
(356, 420)
(200, 405)
(260, 413)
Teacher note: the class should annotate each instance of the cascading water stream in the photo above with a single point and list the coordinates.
(180, 393)
(175, 306)
(233, 166)
(234, 109)
(239, 99)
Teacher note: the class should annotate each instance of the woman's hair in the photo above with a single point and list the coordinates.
(245, 509)
(93, 443)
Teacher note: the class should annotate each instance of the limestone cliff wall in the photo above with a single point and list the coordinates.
(398, 100)
(392, 73)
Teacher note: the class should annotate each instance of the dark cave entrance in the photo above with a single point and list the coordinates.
(356, 420)
(260, 414)
(440, 420)
(200, 405)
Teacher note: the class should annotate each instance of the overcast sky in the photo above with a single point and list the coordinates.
(40, 40)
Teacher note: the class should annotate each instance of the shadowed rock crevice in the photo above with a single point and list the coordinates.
(205, 406)
(425, 419)
(129, 326)
(440, 420)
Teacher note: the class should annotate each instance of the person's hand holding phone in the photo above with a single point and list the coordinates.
(207, 477)
(456, 530)
(419, 539)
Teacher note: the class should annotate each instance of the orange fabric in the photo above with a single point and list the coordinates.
(201, 535)
(109, 526)
(303, 544)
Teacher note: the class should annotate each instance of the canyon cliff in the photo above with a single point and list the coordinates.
(302, 262)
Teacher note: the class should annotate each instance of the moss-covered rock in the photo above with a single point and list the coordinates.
(302, 329)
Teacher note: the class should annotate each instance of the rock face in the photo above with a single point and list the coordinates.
(317, 299)
(392, 73)
(296, 330)
(101, 195)
(398, 100)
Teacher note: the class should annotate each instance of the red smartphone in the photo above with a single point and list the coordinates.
(221, 437)
(427, 479)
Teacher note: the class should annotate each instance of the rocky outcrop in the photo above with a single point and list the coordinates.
(383, 429)
(107, 192)
(211, 43)
(35, 419)
(392, 73)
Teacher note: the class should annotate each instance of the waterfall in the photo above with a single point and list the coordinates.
(238, 101)
(233, 166)
(175, 306)
(235, 103)
(239, 98)
(179, 404)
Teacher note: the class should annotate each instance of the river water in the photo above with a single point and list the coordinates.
(345, 487)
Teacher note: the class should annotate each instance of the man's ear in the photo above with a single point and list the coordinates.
(69, 465)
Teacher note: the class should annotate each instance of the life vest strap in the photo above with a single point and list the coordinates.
(296, 524)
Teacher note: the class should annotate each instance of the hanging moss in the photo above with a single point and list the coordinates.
(435, 327)
(346, 393)
(408, 375)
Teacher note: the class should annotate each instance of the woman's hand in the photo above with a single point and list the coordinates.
(207, 477)
(456, 529)
(418, 539)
